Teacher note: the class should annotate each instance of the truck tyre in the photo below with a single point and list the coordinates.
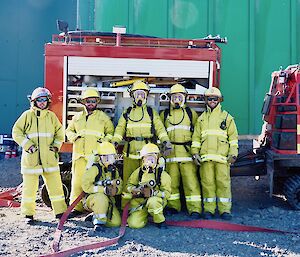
(292, 191)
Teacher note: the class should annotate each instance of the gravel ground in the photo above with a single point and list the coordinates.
(251, 206)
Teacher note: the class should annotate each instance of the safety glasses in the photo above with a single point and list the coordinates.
(91, 101)
(42, 99)
(213, 98)
(139, 94)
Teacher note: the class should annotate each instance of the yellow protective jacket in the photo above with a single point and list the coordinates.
(138, 126)
(163, 190)
(93, 177)
(85, 131)
(212, 142)
(178, 126)
(42, 129)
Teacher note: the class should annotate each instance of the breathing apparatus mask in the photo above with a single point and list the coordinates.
(177, 100)
(108, 161)
(150, 162)
(140, 97)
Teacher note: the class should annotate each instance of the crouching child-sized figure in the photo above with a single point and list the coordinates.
(101, 183)
(149, 188)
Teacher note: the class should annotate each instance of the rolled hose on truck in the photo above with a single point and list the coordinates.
(7, 196)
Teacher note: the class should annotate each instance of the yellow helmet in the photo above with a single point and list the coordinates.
(213, 91)
(106, 148)
(139, 85)
(148, 149)
(177, 88)
(90, 92)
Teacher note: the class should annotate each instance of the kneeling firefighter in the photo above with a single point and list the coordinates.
(149, 188)
(215, 147)
(40, 134)
(179, 121)
(102, 183)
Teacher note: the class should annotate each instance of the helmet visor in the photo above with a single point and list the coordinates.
(150, 160)
(178, 99)
(107, 159)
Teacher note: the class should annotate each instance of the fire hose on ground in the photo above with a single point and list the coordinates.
(6, 200)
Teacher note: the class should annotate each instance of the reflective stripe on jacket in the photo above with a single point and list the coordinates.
(210, 140)
(85, 130)
(42, 129)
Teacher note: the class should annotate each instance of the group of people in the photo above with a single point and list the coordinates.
(160, 152)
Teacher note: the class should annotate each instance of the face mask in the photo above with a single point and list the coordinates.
(150, 161)
(177, 100)
(107, 159)
(140, 97)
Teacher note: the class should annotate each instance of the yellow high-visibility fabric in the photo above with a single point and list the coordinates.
(85, 131)
(42, 129)
(138, 125)
(179, 162)
(96, 200)
(153, 205)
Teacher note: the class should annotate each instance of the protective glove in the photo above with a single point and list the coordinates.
(110, 190)
(91, 160)
(53, 149)
(197, 159)
(167, 148)
(231, 159)
(32, 149)
(115, 144)
(147, 192)
(136, 192)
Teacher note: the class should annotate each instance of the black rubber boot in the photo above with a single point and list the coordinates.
(99, 228)
(170, 211)
(208, 215)
(162, 225)
(29, 219)
(226, 216)
(74, 214)
(195, 215)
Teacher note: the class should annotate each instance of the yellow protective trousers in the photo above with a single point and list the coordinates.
(55, 190)
(100, 204)
(139, 217)
(216, 186)
(129, 166)
(191, 186)
(78, 169)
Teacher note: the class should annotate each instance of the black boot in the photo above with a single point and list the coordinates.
(208, 215)
(226, 216)
(170, 211)
(58, 216)
(162, 225)
(74, 214)
(29, 219)
(195, 215)
(99, 228)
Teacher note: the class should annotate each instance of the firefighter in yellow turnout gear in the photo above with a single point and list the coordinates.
(179, 121)
(86, 130)
(102, 182)
(139, 125)
(40, 134)
(216, 140)
(149, 188)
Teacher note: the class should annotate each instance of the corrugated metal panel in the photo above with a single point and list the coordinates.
(25, 27)
(262, 36)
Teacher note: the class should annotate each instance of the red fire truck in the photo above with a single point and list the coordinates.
(113, 61)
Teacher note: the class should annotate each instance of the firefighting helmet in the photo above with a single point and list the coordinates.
(139, 85)
(149, 149)
(213, 91)
(177, 88)
(40, 92)
(107, 153)
(106, 148)
(90, 92)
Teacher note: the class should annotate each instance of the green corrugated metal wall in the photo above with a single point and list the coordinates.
(25, 25)
(262, 35)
